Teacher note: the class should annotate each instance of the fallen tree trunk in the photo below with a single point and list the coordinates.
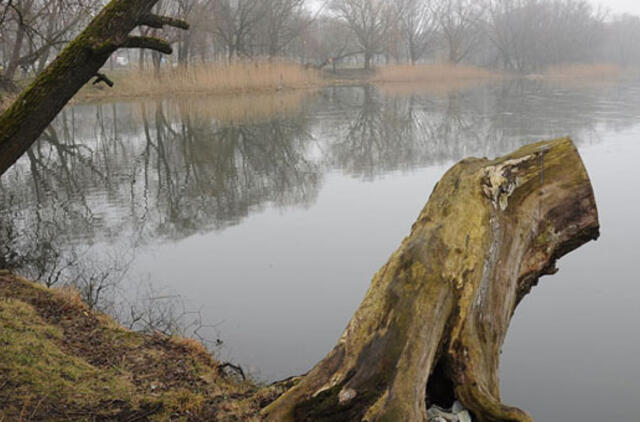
(431, 326)
(23, 122)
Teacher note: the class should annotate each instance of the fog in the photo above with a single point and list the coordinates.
(526, 36)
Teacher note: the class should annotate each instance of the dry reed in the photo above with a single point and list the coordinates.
(432, 78)
(583, 71)
(231, 78)
(430, 73)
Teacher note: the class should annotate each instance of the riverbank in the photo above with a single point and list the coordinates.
(269, 77)
(238, 84)
(206, 79)
(60, 361)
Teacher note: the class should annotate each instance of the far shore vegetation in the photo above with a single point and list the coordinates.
(267, 76)
(261, 77)
(245, 90)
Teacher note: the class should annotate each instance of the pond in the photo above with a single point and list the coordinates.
(257, 222)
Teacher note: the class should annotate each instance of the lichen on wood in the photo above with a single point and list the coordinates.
(430, 328)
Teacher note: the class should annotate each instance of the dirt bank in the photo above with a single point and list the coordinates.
(59, 361)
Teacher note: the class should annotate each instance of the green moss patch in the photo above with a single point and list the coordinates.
(59, 361)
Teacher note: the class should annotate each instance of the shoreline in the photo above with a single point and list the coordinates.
(395, 79)
(62, 361)
(127, 84)
(279, 78)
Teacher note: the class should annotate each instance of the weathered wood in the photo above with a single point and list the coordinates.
(434, 319)
(37, 106)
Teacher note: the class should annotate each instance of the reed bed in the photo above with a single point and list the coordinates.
(570, 72)
(228, 78)
(430, 78)
(431, 73)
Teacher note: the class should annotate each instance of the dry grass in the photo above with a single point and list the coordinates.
(584, 71)
(61, 362)
(233, 78)
(432, 78)
(431, 73)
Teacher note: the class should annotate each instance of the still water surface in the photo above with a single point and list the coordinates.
(271, 222)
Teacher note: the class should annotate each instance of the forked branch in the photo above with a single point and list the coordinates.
(23, 122)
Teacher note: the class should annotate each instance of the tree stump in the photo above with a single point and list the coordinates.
(431, 326)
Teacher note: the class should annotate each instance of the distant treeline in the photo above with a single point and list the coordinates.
(517, 35)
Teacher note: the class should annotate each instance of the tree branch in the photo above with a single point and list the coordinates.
(101, 77)
(150, 43)
(157, 21)
(77, 64)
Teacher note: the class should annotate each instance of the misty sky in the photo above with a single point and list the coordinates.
(620, 6)
(616, 6)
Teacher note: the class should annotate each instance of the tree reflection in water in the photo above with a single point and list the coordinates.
(106, 180)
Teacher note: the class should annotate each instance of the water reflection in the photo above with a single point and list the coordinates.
(105, 180)
(203, 175)
(107, 183)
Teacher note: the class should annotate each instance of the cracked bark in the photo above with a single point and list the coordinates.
(77, 64)
(434, 319)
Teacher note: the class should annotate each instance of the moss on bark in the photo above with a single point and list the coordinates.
(436, 314)
(81, 59)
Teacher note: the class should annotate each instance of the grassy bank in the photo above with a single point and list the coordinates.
(59, 361)
(268, 77)
(247, 87)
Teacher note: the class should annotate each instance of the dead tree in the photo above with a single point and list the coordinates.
(434, 319)
(37, 106)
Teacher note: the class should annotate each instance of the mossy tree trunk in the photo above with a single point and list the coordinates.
(37, 106)
(434, 319)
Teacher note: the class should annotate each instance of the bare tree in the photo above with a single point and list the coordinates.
(370, 20)
(622, 39)
(417, 25)
(31, 29)
(81, 60)
(235, 23)
(327, 41)
(529, 35)
(458, 22)
(283, 21)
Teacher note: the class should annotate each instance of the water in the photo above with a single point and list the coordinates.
(268, 222)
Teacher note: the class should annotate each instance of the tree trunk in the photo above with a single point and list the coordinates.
(431, 326)
(367, 60)
(14, 61)
(37, 106)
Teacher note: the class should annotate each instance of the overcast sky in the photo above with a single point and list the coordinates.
(616, 6)
(620, 6)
